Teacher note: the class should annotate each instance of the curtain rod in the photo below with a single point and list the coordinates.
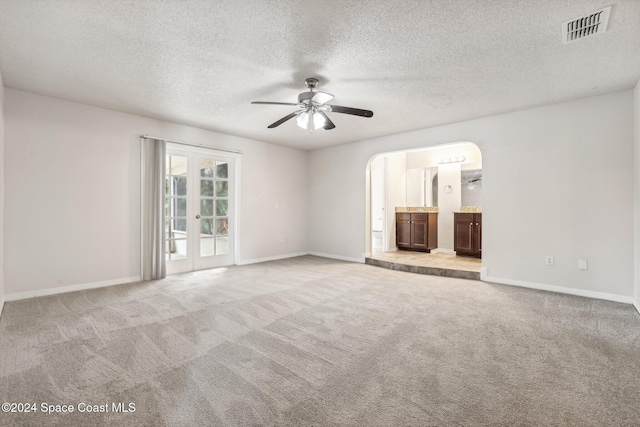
(192, 145)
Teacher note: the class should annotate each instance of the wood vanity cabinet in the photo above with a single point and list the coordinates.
(467, 234)
(417, 231)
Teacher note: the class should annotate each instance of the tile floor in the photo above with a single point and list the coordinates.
(434, 263)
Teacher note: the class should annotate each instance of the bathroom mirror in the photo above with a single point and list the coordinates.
(471, 187)
(420, 191)
(422, 187)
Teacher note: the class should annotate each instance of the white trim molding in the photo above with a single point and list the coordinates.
(71, 288)
(341, 258)
(271, 258)
(285, 256)
(558, 289)
(636, 304)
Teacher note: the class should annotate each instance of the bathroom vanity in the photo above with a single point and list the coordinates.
(416, 229)
(467, 232)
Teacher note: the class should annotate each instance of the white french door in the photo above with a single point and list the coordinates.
(199, 209)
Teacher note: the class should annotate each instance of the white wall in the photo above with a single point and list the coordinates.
(636, 97)
(377, 193)
(396, 187)
(1, 193)
(72, 213)
(448, 203)
(563, 210)
(429, 157)
(415, 187)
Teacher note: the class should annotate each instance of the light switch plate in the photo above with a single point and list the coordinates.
(582, 264)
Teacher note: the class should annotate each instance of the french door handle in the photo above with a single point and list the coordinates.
(197, 216)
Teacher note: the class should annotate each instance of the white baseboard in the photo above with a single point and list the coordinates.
(277, 257)
(636, 304)
(341, 258)
(558, 289)
(71, 288)
(271, 258)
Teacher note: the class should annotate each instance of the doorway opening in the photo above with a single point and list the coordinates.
(200, 187)
(415, 199)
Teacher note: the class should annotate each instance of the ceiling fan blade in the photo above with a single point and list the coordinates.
(349, 110)
(328, 124)
(284, 119)
(321, 97)
(275, 103)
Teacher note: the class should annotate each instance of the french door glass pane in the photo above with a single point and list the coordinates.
(178, 249)
(176, 206)
(222, 227)
(206, 207)
(207, 247)
(206, 187)
(179, 207)
(206, 227)
(222, 170)
(176, 228)
(206, 168)
(178, 166)
(180, 225)
(222, 245)
(222, 207)
(179, 185)
(222, 188)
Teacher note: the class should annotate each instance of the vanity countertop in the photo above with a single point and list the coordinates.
(469, 209)
(416, 209)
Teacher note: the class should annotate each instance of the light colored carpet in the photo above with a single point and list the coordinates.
(312, 341)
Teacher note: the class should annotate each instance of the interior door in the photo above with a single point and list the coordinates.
(199, 208)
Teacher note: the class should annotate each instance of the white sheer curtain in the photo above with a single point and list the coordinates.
(153, 216)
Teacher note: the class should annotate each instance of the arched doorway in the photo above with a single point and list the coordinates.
(442, 180)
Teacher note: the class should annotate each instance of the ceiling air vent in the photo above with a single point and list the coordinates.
(590, 25)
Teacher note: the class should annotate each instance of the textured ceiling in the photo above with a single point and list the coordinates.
(415, 63)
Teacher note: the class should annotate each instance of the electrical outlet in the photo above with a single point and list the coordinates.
(280, 239)
(548, 260)
(582, 264)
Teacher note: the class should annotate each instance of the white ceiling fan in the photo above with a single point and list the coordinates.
(313, 109)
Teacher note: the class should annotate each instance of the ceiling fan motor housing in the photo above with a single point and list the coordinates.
(311, 82)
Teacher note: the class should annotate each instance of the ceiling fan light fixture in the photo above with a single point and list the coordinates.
(318, 120)
(310, 122)
(312, 112)
(303, 120)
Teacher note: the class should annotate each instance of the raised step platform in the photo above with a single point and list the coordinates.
(439, 264)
